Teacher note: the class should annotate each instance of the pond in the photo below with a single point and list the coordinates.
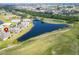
(41, 28)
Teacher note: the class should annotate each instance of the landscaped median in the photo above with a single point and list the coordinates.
(13, 39)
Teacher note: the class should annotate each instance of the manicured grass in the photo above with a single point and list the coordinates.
(54, 21)
(5, 20)
(63, 42)
(2, 18)
(59, 42)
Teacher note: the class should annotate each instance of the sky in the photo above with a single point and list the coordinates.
(39, 1)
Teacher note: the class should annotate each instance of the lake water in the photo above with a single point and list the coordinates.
(40, 28)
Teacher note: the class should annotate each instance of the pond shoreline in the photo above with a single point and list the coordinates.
(41, 28)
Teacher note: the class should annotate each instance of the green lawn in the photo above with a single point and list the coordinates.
(59, 42)
(54, 21)
(64, 41)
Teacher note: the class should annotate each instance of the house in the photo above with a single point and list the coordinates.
(6, 24)
(15, 20)
(4, 35)
(24, 24)
(15, 30)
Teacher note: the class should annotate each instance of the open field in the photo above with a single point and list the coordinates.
(36, 40)
(59, 42)
(54, 21)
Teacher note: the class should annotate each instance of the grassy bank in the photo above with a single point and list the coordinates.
(54, 21)
(59, 42)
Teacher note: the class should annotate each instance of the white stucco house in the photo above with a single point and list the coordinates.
(4, 35)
